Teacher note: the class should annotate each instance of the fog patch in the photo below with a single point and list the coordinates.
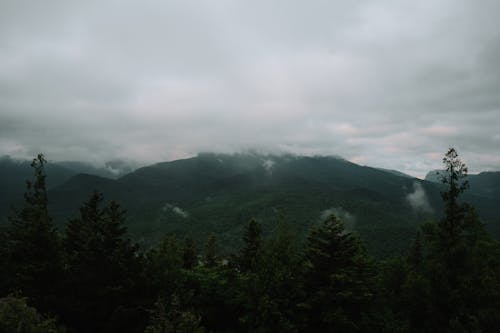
(418, 199)
(118, 167)
(176, 210)
(268, 165)
(347, 218)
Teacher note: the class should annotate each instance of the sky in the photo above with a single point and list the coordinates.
(388, 84)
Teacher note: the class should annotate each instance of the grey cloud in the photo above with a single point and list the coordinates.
(380, 83)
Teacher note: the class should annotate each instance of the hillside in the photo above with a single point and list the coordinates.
(218, 193)
(14, 173)
(215, 193)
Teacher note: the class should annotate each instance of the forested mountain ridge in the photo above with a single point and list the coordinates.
(219, 193)
(88, 276)
(484, 184)
(15, 172)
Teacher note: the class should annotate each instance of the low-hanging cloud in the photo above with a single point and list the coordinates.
(389, 84)
(418, 199)
(168, 207)
(347, 218)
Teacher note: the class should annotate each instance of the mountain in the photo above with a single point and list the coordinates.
(219, 193)
(15, 172)
(434, 176)
(396, 172)
(112, 169)
(13, 176)
(485, 184)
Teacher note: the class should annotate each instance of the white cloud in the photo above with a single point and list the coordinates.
(347, 218)
(168, 207)
(385, 83)
(418, 199)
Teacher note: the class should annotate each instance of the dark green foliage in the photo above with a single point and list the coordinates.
(222, 193)
(211, 251)
(101, 264)
(99, 281)
(269, 292)
(5, 270)
(164, 267)
(451, 277)
(249, 254)
(171, 319)
(32, 250)
(211, 293)
(340, 279)
(456, 256)
(189, 255)
(17, 317)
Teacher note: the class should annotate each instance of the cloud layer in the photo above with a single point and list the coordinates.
(379, 83)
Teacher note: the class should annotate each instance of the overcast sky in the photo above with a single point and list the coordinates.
(382, 83)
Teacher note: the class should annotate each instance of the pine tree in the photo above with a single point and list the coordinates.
(33, 245)
(451, 285)
(189, 255)
(104, 269)
(173, 319)
(416, 256)
(250, 252)
(269, 293)
(211, 251)
(17, 316)
(164, 266)
(339, 279)
(451, 225)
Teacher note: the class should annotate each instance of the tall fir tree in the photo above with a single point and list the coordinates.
(33, 249)
(104, 270)
(211, 251)
(189, 254)
(249, 254)
(339, 280)
(452, 271)
(268, 294)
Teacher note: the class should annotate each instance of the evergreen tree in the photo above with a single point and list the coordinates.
(211, 251)
(173, 319)
(189, 255)
(17, 316)
(5, 270)
(339, 280)
(268, 294)
(452, 224)
(452, 270)
(165, 263)
(416, 255)
(33, 245)
(104, 270)
(450, 252)
(250, 252)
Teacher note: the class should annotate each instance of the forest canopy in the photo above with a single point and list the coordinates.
(91, 277)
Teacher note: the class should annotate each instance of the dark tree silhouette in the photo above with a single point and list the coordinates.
(339, 279)
(33, 245)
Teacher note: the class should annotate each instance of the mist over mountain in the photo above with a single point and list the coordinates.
(15, 172)
(220, 193)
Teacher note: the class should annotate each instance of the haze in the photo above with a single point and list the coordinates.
(381, 83)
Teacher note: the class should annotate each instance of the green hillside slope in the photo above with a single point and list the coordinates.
(218, 193)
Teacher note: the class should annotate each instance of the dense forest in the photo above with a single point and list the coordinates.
(90, 277)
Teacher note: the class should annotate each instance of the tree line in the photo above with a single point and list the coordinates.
(89, 277)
